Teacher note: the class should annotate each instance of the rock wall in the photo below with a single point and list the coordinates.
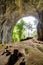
(9, 15)
(40, 26)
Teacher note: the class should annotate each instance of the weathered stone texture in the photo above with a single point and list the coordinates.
(9, 15)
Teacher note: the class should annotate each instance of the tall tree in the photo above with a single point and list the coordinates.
(18, 31)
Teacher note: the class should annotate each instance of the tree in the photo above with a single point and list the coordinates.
(18, 31)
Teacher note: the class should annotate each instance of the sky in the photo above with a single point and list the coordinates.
(30, 20)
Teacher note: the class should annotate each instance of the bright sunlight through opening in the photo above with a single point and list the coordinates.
(32, 22)
(25, 28)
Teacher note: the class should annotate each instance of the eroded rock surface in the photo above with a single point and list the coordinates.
(27, 52)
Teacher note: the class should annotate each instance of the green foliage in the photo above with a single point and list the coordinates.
(35, 34)
(18, 31)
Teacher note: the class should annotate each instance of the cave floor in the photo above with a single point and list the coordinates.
(32, 51)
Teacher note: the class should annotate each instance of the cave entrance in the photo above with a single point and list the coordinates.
(25, 28)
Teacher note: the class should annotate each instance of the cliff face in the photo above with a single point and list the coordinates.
(10, 12)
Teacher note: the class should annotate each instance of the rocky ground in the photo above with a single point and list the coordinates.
(29, 52)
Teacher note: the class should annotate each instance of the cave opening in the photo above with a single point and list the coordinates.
(25, 28)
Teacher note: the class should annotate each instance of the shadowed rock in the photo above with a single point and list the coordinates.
(26, 38)
(14, 57)
(10, 46)
(3, 53)
(23, 62)
(7, 52)
(6, 47)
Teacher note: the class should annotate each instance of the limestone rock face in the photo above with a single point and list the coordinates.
(7, 26)
(10, 12)
(40, 27)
